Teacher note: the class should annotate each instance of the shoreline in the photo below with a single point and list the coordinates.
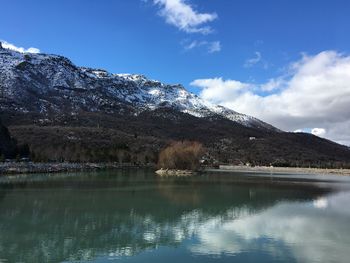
(281, 170)
(13, 168)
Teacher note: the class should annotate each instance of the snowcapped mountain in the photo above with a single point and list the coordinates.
(65, 112)
(51, 86)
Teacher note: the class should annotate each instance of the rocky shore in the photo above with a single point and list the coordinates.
(174, 172)
(31, 167)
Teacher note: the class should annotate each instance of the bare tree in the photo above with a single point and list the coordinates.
(181, 155)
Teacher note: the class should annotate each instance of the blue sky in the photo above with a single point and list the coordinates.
(237, 53)
(130, 36)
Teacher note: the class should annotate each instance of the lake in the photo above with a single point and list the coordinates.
(135, 216)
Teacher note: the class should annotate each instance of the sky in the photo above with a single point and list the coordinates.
(286, 62)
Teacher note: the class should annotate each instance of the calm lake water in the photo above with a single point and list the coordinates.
(135, 216)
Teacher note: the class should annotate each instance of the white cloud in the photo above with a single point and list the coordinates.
(252, 61)
(314, 93)
(318, 132)
(19, 49)
(193, 45)
(214, 46)
(211, 46)
(224, 89)
(182, 15)
(273, 84)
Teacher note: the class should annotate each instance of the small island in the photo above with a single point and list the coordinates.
(180, 159)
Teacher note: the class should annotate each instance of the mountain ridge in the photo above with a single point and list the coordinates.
(59, 76)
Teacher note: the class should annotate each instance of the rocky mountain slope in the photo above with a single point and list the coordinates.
(66, 112)
(53, 87)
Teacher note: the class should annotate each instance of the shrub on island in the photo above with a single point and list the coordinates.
(180, 158)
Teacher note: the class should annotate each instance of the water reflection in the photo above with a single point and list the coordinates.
(312, 233)
(121, 215)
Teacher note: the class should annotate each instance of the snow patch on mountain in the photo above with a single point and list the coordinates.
(51, 83)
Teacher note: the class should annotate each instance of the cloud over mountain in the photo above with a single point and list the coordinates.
(314, 92)
(8, 45)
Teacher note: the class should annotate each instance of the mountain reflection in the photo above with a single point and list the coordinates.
(122, 214)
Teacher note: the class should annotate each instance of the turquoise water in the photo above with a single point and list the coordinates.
(135, 216)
